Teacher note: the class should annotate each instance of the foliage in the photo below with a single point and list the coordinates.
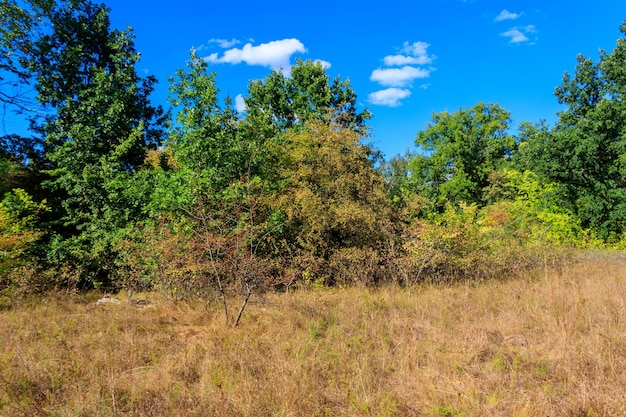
(585, 153)
(205, 202)
(334, 202)
(458, 151)
(19, 231)
(170, 259)
(11, 173)
(280, 102)
(524, 216)
(537, 210)
(98, 135)
(205, 136)
(209, 249)
(464, 242)
(22, 21)
(208, 192)
(397, 174)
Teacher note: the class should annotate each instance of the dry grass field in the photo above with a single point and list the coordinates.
(550, 344)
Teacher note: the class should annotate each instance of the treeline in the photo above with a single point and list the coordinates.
(200, 201)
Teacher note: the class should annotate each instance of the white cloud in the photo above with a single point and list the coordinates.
(415, 49)
(225, 43)
(399, 60)
(515, 36)
(275, 54)
(398, 77)
(389, 97)
(240, 104)
(325, 64)
(506, 15)
(412, 54)
(399, 72)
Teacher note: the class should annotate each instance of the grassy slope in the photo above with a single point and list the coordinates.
(550, 345)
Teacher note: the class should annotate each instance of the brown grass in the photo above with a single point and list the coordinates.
(549, 345)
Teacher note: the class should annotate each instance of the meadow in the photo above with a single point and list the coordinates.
(550, 343)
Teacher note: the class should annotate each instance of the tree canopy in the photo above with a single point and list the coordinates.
(307, 93)
(586, 149)
(98, 127)
(458, 151)
(206, 201)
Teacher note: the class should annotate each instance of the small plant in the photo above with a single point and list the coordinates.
(444, 411)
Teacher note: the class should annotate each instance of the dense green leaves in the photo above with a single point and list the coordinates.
(205, 136)
(280, 101)
(458, 151)
(586, 150)
(98, 131)
(205, 201)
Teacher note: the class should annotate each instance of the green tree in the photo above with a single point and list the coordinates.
(100, 126)
(204, 138)
(279, 102)
(586, 152)
(458, 151)
(207, 197)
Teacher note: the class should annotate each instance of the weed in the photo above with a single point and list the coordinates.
(548, 344)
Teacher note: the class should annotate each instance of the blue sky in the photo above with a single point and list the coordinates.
(405, 59)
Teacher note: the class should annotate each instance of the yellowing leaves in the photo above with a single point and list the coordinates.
(334, 199)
